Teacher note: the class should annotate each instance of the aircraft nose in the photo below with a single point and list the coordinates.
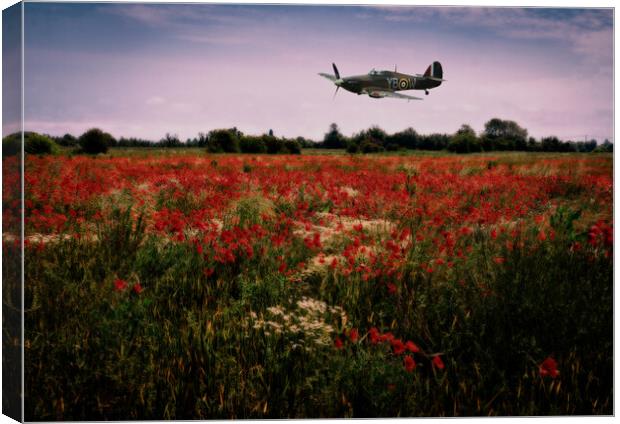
(339, 82)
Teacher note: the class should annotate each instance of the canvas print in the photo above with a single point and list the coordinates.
(249, 211)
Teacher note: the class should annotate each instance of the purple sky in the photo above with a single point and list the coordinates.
(145, 70)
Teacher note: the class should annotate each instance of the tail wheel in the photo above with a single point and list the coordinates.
(426, 92)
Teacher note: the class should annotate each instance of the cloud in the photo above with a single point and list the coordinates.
(588, 32)
(218, 39)
(180, 15)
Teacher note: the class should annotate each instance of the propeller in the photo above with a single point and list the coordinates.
(336, 71)
(338, 80)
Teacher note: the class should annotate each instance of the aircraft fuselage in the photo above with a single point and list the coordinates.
(386, 80)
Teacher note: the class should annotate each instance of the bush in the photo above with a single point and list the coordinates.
(353, 148)
(252, 144)
(67, 140)
(274, 144)
(292, 146)
(223, 140)
(34, 144)
(333, 138)
(464, 143)
(95, 141)
(11, 144)
(37, 144)
(368, 146)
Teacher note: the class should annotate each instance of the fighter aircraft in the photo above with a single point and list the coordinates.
(378, 84)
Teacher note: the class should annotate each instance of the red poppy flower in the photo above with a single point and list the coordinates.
(409, 363)
(399, 346)
(412, 347)
(386, 337)
(338, 343)
(549, 367)
(374, 335)
(334, 263)
(137, 288)
(437, 362)
(353, 335)
(120, 285)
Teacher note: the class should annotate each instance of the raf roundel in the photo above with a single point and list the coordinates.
(378, 84)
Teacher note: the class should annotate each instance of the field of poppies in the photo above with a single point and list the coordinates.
(233, 286)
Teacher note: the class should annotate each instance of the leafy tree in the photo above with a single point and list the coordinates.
(377, 135)
(274, 144)
(95, 141)
(407, 138)
(392, 147)
(292, 146)
(550, 144)
(434, 141)
(586, 146)
(465, 141)
(223, 140)
(533, 145)
(334, 139)
(170, 140)
(37, 144)
(67, 140)
(607, 146)
(306, 143)
(134, 142)
(353, 147)
(12, 144)
(504, 135)
(252, 144)
(202, 139)
(369, 146)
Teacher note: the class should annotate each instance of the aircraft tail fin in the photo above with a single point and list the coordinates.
(434, 71)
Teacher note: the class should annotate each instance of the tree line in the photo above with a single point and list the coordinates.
(94, 141)
(498, 135)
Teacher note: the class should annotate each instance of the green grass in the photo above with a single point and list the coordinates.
(185, 347)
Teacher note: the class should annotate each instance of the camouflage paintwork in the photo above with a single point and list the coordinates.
(379, 84)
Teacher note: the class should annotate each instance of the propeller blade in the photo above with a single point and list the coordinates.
(336, 92)
(336, 71)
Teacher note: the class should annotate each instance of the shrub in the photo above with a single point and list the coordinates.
(37, 144)
(34, 144)
(333, 138)
(352, 147)
(67, 140)
(274, 144)
(367, 146)
(95, 141)
(252, 144)
(11, 144)
(292, 146)
(223, 140)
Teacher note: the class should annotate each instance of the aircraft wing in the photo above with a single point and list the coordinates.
(328, 76)
(396, 95)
